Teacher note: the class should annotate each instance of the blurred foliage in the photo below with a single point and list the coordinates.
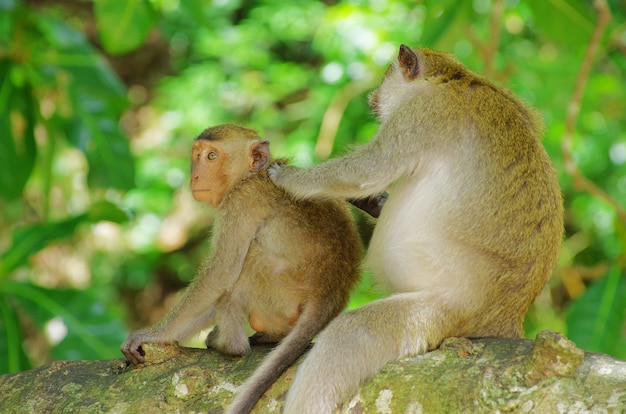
(100, 101)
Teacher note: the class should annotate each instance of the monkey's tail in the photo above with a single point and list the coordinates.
(279, 359)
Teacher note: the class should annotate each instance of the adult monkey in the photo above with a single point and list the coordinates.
(468, 237)
(285, 265)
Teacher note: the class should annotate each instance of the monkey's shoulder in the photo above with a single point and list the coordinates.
(499, 108)
(277, 202)
(326, 224)
(267, 195)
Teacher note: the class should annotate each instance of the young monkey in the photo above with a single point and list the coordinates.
(285, 265)
(468, 237)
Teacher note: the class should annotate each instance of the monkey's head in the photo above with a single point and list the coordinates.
(410, 74)
(221, 157)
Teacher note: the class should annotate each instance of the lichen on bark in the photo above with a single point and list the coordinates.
(479, 376)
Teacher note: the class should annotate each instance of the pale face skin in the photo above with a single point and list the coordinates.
(207, 184)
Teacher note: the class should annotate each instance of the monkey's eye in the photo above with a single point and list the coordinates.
(212, 155)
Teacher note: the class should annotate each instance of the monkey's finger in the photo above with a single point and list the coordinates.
(273, 171)
(133, 353)
(136, 358)
(130, 357)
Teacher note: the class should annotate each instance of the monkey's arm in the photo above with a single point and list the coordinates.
(196, 307)
(365, 172)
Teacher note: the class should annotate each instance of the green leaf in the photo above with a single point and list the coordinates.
(12, 355)
(91, 74)
(94, 128)
(595, 320)
(17, 134)
(106, 211)
(123, 25)
(31, 239)
(568, 22)
(111, 163)
(58, 35)
(440, 16)
(78, 323)
(28, 240)
(98, 98)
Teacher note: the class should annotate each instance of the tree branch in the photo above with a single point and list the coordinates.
(581, 182)
(334, 113)
(462, 376)
(488, 51)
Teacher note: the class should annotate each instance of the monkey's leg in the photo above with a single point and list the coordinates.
(311, 320)
(229, 336)
(357, 344)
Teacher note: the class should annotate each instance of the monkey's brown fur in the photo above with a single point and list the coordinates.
(287, 265)
(468, 237)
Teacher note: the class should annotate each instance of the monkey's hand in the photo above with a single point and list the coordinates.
(275, 170)
(288, 178)
(372, 205)
(131, 348)
(279, 174)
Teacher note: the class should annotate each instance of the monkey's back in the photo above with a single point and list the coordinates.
(520, 216)
(303, 245)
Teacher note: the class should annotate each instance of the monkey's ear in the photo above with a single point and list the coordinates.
(259, 156)
(409, 62)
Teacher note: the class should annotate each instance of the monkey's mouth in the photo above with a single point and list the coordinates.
(202, 195)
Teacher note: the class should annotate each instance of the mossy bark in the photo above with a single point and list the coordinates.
(548, 375)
